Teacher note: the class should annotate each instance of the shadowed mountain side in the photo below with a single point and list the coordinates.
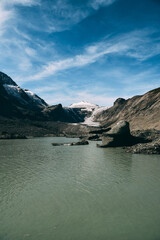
(19, 103)
(16, 102)
(142, 112)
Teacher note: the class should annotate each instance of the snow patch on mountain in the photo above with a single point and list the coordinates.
(90, 120)
(15, 91)
(91, 109)
(35, 98)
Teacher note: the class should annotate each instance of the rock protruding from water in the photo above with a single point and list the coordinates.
(71, 144)
(119, 136)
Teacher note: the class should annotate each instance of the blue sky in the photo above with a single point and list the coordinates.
(72, 50)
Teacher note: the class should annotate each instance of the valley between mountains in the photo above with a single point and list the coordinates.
(23, 113)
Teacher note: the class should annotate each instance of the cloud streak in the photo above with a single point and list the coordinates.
(136, 44)
(99, 3)
(7, 11)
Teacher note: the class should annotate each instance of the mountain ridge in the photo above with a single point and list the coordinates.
(16, 102)
(141, 111)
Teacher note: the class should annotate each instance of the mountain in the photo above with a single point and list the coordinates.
(19, 103)
(142, 112)
(82, 109)
(22, 97)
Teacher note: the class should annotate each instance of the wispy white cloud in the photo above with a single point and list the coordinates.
(20, 2)
(136, 44)
(72, 97)
(98, 3)
(65, 14)
(102, 93)
(8, 13)
(141, 82)
(55, 16)
(5, 16)
(30, 51)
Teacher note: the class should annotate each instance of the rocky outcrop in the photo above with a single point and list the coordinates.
(120, 136)
(148, 148)
(58, 113)
(6, 135)
(142, 112)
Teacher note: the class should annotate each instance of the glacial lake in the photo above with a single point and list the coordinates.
(77, 193)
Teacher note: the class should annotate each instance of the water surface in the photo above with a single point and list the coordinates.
(77, 193)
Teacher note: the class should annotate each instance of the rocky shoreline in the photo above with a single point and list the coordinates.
(153, 145)
(148, 148)
(139, 141)
(6, 135)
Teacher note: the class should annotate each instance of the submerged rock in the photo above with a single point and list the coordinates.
(71, 144)
(79, 143)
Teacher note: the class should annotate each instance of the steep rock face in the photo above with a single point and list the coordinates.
(18, 102)
(58, 113)
(142, 112)
(21, 96)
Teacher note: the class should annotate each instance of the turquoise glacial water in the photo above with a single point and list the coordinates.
(77, 193)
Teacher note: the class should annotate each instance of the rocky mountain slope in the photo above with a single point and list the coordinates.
(19, 103)
(142, 112)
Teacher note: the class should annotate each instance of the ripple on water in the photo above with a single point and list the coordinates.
(79, 192)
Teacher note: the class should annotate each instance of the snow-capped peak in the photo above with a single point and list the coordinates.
(84, 105)
(90, 109)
